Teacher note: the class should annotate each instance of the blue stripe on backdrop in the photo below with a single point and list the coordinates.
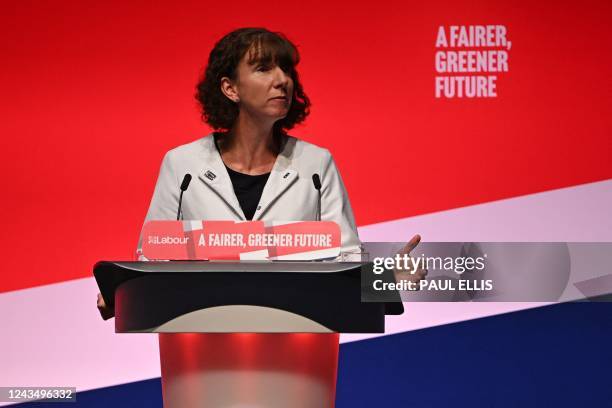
(552, 356)
(556, 356)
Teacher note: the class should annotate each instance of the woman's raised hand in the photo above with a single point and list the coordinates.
(406, 274)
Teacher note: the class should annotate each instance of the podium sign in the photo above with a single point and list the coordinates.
(245, 240)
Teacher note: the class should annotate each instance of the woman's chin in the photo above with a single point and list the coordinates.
(278, 115)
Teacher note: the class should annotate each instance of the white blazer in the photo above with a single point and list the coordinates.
(289, 194)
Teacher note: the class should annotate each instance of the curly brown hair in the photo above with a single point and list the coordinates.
(264, 47)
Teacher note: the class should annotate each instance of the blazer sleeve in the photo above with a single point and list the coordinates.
(335, 205)
(164, 202)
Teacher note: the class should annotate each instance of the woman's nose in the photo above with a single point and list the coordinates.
(281, 78)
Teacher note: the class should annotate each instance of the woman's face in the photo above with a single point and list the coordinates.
(261, 90)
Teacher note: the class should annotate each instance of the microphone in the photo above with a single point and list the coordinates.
(316, 180)
(184, 185)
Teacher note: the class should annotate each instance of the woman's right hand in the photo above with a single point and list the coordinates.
(105, 311)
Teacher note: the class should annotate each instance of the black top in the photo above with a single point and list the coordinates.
(248, 189)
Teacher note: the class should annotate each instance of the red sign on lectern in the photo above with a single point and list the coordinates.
(234, 240)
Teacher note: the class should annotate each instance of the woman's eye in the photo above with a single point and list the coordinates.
(262, 68)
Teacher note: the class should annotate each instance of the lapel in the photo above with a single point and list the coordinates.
(282, 177)
(215, 176)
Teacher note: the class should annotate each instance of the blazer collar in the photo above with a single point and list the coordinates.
(216, 177)
(214, 174)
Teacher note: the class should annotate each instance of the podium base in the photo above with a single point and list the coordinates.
(240, 370)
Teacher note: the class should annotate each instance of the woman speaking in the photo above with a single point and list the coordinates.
(250, 168)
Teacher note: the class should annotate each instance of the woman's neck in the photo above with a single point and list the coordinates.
(250, 146)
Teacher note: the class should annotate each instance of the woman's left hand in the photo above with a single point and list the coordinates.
(410, 275)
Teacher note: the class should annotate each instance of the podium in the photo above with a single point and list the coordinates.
(243, 334)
